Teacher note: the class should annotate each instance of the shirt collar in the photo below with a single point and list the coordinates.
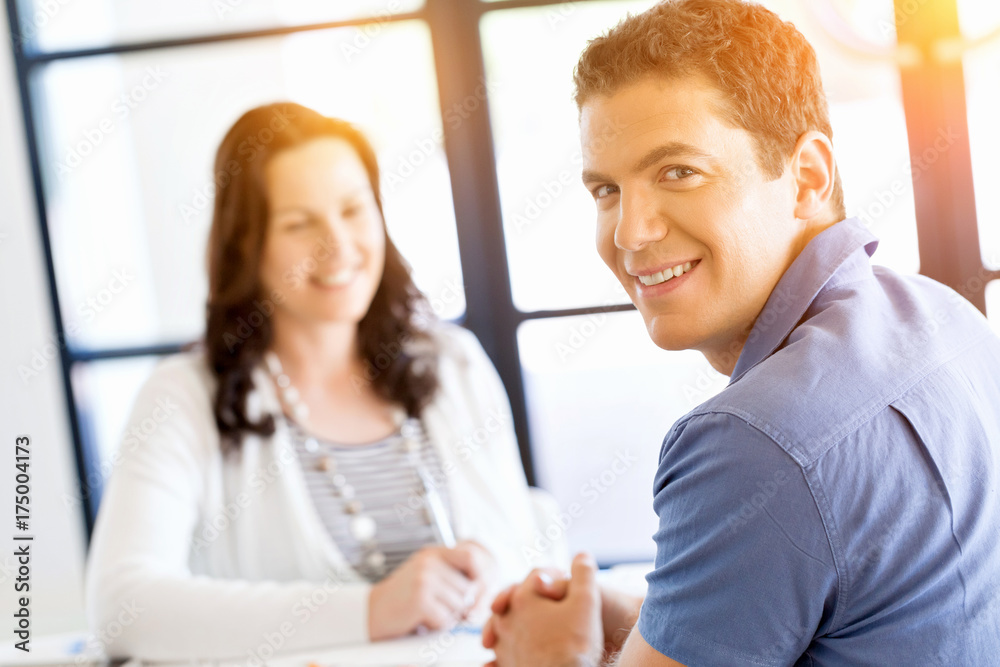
(831, 252)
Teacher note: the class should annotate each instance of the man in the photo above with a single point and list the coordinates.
(839, 502)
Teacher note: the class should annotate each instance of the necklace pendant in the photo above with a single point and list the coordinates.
(301, 412)
(312, 447)
(376, 561)
(352, 507)
(409, 429)
(363, 528)
(326, 464)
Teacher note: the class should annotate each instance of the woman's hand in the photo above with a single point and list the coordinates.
(436, 587)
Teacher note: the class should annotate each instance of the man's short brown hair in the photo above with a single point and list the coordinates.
(764, 67)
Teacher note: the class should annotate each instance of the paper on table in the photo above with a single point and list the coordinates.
(457, 648)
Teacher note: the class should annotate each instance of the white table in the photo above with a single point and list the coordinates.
(458, 648)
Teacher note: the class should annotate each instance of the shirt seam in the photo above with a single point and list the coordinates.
(841, 584)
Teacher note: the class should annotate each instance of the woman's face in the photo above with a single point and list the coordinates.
(325, 245)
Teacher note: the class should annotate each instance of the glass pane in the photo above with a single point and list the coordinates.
(854, 43)
(105, 392)
(549, 217)
(61, 25)
(601, 397)
(982, 71)
(128, 145)
(993, 304)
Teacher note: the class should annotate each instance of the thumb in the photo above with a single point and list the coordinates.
(584, 575)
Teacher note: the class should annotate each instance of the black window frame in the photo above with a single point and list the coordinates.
(933, 97)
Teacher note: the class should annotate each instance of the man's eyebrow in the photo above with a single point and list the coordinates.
(589, 176)
(669, 150)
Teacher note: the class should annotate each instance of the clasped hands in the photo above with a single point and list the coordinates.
(550, 620)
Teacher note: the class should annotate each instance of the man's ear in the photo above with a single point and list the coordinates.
(814, 170)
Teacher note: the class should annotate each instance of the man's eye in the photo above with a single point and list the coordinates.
(604, 191)
(678, 173)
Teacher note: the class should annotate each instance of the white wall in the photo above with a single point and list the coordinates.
(32, 406)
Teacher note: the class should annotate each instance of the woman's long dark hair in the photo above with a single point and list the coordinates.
(239, 327)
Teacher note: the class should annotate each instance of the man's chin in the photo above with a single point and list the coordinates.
(668, 337)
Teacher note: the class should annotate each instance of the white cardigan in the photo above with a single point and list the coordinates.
(196, 555)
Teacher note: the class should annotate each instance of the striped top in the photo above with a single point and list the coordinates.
(387, 485)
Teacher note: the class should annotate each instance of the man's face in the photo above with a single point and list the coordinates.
(679, 190)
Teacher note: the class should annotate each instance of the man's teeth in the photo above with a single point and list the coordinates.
(665, 275)
(337, 279)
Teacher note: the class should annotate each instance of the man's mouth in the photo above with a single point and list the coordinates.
(667, 274)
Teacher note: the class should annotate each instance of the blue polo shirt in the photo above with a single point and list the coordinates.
(839, 502)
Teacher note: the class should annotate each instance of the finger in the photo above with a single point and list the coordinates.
(439, 616)
(549, 583)
(455, 599)
(489, 634)
(462, 559)
(455, 580)
(584, 576)
(502, 601)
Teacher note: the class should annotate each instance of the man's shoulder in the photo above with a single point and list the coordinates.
(859, 347)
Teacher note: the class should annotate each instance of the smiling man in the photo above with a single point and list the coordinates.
(839, 502)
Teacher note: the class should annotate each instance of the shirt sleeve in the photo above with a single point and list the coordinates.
(143, 601)
(744, 572)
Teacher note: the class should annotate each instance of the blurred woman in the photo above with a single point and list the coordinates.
(333, 464)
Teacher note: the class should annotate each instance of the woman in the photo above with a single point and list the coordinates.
(332, 465)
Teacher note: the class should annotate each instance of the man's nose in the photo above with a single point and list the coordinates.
(640, 222)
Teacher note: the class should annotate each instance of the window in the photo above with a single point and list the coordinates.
(129, 102)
